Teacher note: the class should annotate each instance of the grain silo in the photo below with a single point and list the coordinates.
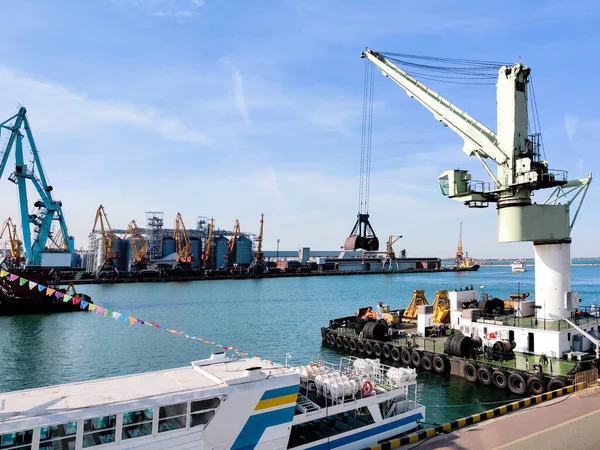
(243, 251)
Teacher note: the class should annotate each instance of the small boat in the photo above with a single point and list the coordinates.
(518, 266)
(222, 403)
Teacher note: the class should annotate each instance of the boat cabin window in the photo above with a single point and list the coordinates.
(202, 411)
(316, 430)
(172, 417)
(137, 423)
(21, 440)
(58, 437)
(99, 430)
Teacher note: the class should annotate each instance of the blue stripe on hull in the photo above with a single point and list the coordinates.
(258, 423)
(335, 443)
(280, 392)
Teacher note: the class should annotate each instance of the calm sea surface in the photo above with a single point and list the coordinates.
(264, 317)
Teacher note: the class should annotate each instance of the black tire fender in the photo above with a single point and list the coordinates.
(395, 354)
(369, 348)
(416, 358)
(426, 363)
(405, 356)
(556, 383)
(386, 351)
(470, 371)
(500, 379)
(377, 349)
(484, 375)
(352, 345)
(439, 364)
(536, 385)
(345, 343)
(360, 346)
(338, 342)
(517, 384)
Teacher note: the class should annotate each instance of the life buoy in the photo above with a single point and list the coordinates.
(366, 388)
(486, 336)
(492, 335)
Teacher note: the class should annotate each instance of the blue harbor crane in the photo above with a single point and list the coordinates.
(48, 211)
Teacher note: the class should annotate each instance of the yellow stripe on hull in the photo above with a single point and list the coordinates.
(277, 401)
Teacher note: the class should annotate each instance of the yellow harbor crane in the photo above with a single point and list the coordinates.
(16, 246)
(109, 240)
(182, 242)
(139, 246)
(208, 248)
(229, 256)
(258, 264)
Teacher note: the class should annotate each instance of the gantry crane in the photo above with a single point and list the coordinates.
(139, 247)
(230, 255)
(182, 242)
(16, 246)
(207, 256)
(109, 242)
(520, 172)
(258, 263)
(48, 209)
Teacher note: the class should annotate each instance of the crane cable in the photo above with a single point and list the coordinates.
(366, 138)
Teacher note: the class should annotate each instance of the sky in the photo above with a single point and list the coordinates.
(233, 109)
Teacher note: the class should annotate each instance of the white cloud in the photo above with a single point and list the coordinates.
(172, 9)
(58, 109)
(240, 100)
(571, 124)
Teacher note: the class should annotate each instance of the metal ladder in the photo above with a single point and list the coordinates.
(304, 404)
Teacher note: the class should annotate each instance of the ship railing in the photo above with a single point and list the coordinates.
(583, 315)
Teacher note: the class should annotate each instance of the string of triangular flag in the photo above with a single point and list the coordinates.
(105, 312)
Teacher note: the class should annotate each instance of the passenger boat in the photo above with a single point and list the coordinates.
(218, 403)
(518, 266)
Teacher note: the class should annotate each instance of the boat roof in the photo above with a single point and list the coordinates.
(36, 407)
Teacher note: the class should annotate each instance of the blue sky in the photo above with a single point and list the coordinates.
(233, 109)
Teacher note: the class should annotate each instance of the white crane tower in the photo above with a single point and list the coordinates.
(520, 172)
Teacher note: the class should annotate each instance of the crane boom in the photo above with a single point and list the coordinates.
(209, 239)
(477, 137)
(182, 241)
(139, 244)
(16, 245)
(459, 250)
(107, 238)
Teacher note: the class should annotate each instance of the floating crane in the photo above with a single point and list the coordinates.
(362, 235)
(109, 242)
(48, 210)
(208, 264)
(258, 263)
(182, 242)
(520, 170)
(230, 255)
(463, 260)
(139, 247)
(16, 246)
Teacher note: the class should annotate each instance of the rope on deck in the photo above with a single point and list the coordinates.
(470, 420)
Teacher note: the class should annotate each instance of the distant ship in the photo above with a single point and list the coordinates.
(518, 266)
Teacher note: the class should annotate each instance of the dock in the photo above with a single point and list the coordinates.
(567, 422)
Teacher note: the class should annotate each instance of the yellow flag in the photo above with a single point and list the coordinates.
(3, 273)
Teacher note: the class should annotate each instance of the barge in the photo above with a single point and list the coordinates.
(25, 292)
(219, 403)
(472, 340)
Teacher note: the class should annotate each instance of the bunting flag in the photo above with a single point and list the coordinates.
(105, 312)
